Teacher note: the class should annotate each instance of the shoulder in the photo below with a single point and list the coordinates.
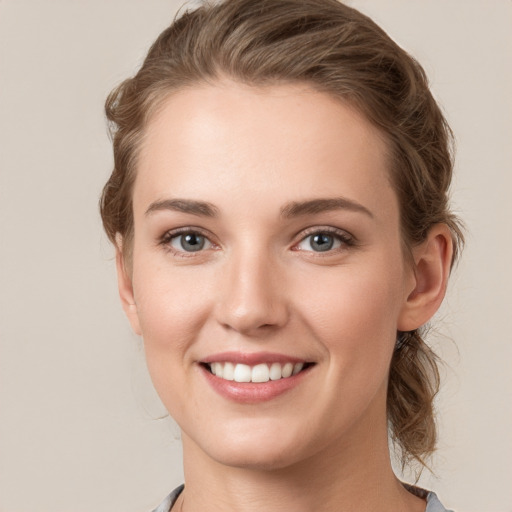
(166, 505)
(433, 503)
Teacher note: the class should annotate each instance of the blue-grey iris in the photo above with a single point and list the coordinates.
(192, 242)
(322, 242)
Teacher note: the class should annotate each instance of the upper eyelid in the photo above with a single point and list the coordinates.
(171, 233)
(324, 229)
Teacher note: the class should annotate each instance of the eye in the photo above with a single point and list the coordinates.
(324, 241)
(189, 241)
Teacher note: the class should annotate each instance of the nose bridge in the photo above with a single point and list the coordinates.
(253, 294)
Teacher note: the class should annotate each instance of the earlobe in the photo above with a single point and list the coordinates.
(432, 262)
(125, 286)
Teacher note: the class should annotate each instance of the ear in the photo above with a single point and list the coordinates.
(124, 283)
(432, 262)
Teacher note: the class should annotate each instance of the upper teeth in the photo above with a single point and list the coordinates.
(259, 373)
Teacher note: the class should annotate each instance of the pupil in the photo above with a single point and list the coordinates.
(322, 242)
(192, 242)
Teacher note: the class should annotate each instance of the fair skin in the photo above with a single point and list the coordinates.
(267, 231)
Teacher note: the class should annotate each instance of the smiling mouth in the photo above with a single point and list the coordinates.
(263, 372)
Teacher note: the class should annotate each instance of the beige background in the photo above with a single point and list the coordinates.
(77, 413)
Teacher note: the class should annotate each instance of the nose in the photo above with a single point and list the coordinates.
(253, 299)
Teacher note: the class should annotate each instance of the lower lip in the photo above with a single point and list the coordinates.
(253, 392)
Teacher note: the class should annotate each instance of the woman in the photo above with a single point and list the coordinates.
(279, 206)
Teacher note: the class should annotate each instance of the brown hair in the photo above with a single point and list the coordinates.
(337, 50)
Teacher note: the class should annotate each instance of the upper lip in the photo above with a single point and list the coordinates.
(251, 359)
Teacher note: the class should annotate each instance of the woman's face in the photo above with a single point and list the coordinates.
(266, 240)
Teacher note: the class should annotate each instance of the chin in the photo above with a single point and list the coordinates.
(258, 448)
(256, 459)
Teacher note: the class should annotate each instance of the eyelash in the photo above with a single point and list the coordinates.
(167, 238)
(346, 240)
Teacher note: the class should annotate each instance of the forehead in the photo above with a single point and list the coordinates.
(215, 141)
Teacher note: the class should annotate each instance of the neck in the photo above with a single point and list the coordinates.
(356, 474)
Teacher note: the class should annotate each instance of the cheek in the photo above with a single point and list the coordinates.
(355, 313)
(173, 305)
(355, 323)
(171, 302)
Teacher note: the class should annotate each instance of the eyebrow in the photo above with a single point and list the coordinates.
(314, 206)
(200, 208)
(293, 209)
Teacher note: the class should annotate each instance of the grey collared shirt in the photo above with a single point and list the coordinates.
(433, 503)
